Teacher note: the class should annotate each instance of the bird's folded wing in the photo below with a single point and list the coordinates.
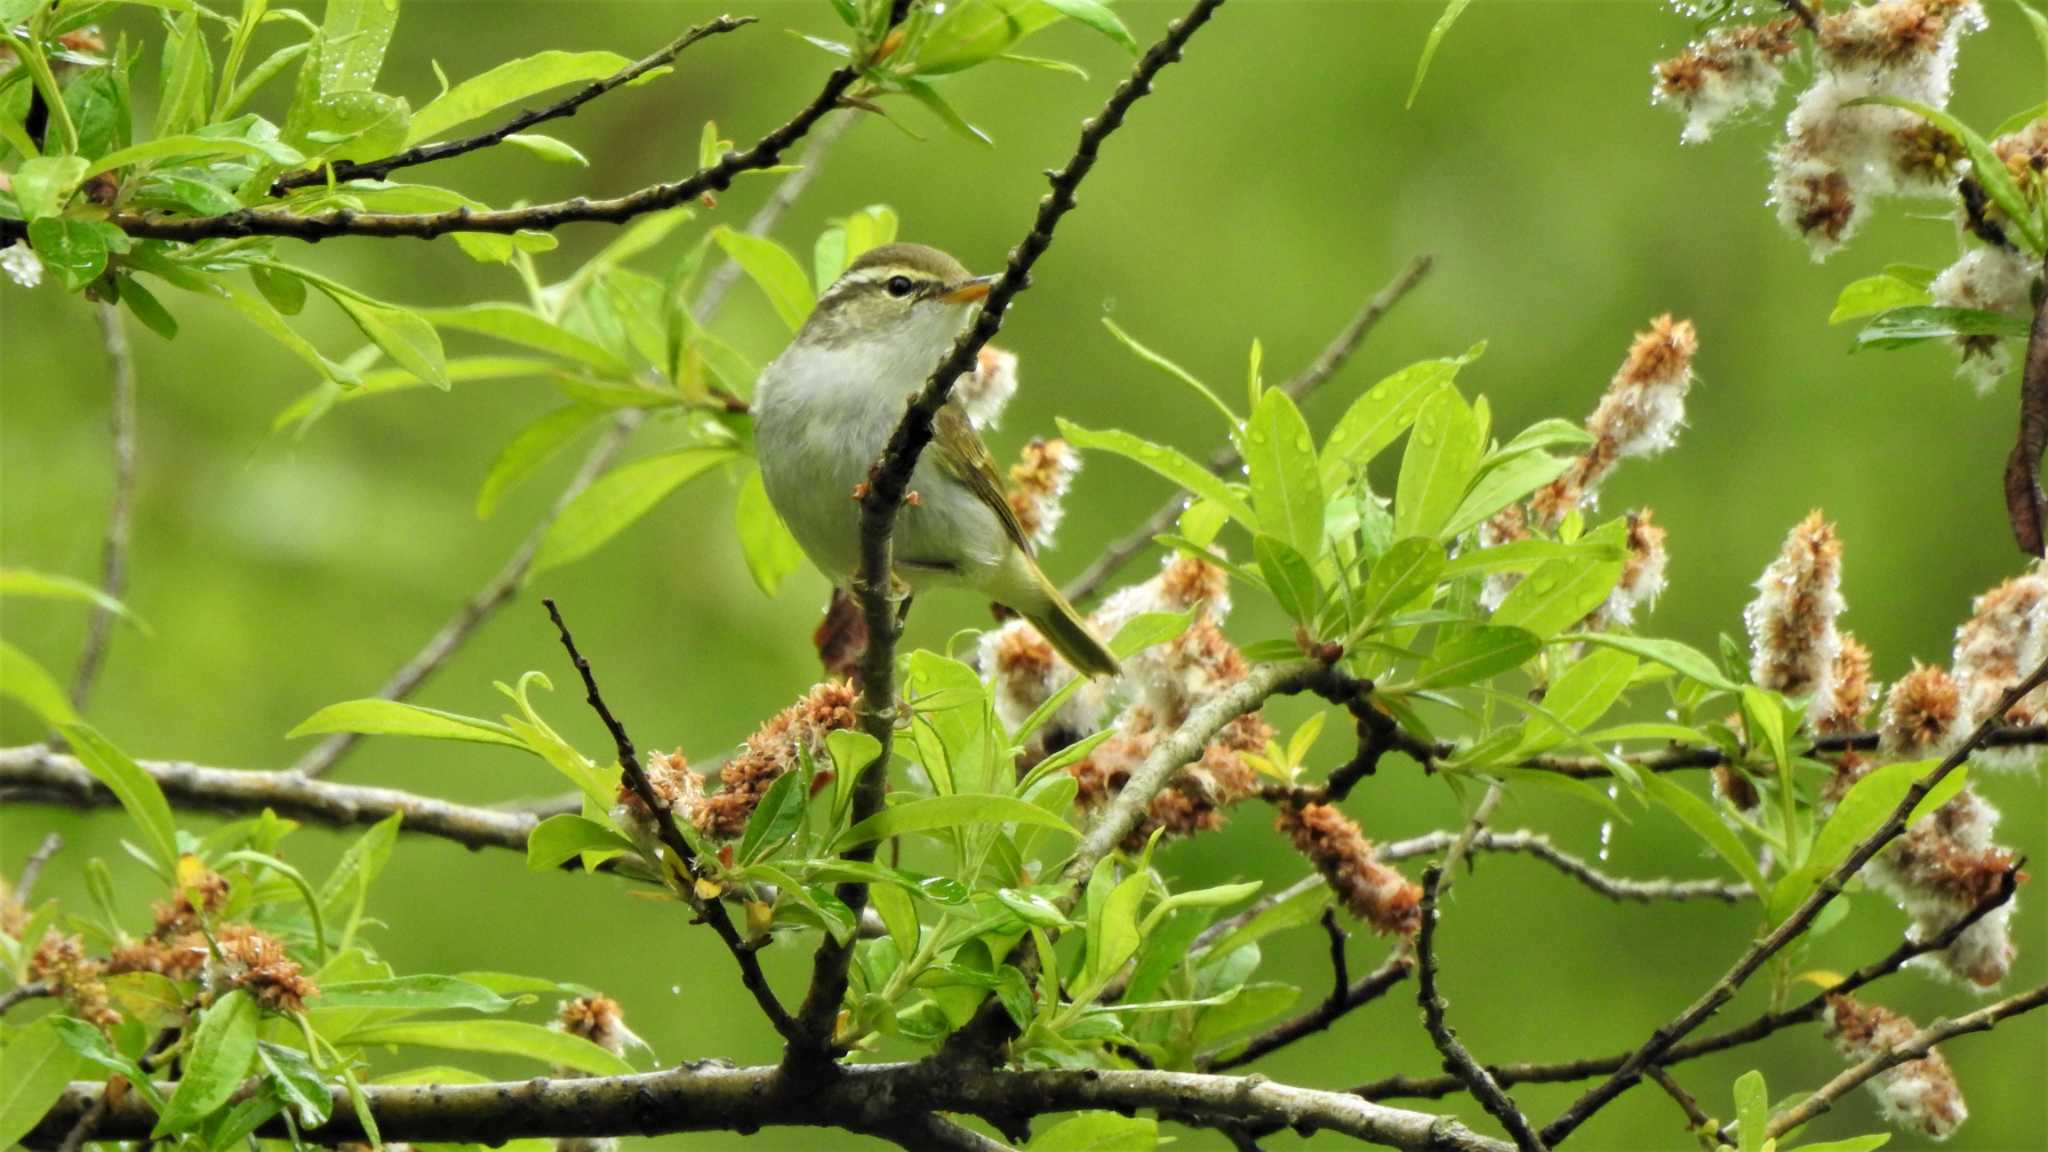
(960, 454)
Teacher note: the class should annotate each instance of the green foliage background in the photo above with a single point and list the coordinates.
(1271, 184)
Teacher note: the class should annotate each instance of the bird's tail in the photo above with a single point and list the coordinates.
(1070, 635)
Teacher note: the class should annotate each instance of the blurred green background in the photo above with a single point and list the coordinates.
(1272, 183)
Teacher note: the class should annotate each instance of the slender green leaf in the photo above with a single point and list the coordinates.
(1476, 654)
(25, 681)
(1167, 462)
(1287, 491)
(1901, 327)
(39, 1067)
(533, 446)
(1172, 369)
(1443, 453)
(615, 501)
(1560, 593)
(1874, 294)
(1289, 576)
(504, 1037)
(770, 551)
(1681, 658)
(1499, 487)
(1095, 14)
(1406, 570)
(413, 994)
(374, 716)
(136, 789)
(223, 1048)
(1377, 418)
(937, 813)
(1706, 823)
(563, 837)
(772, 269)
(517, 325)
(509, 83)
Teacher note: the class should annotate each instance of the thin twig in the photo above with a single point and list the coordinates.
(32, 868)
(1757, 1029)
(1326, 364)
(120, 512)
(1695, 1118)
(711, 912)
(889, 479)
(2025, 504)
(567, 106)
(500, 589)
(1539, 846)
(1490, 1095)
(1982, 1020)
(1360, 992)
(23, 993)
(1794, 925)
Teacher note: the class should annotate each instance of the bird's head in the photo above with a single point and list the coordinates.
(909, 296)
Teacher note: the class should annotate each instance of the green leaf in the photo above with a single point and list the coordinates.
(404, 335)
(938, 106)
(1752, 1110)
(773, 270)
(43, 184)
(1560, 593)
(187, 78)
(373, 716)
(1866, 806)
(1289, 576)
(24, 680)
(1499, 487)
(775, 819)
(548, 148)
(937, 813)
(1443, 453)
(1147, 629)
(412, 994)
(1377, 418)
(1113, 937)
(1476, 654)
(223, 1048)
(1985, 164)
(563, 837)
(517, 325)
(972, 31)
(771, 552)
(1452, 11)
(148, 309)
(1869, 1143)
(1172, 369)
(504, 1037)
(533, 446)
(39, 1067)
(352, 44)
(509, 83)
(1096, 15)
(1901, 327)
(617, 499)
(136, 789)
(1287, 492)
(1548, 433)
(74, 249)
(346, 888)
(1874, 294)
(1167, 462)
(1706, 823)
(1406, 570)
(1578, 698)
(196, 145)
(1681, 658)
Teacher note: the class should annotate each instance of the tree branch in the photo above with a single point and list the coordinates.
(501, 588)
(1326, 364)
(2024, 503)
(889, 478)
(711, 912)
(868, 1098)
(1793, 926)
(1489, 1094)
(120, 513)
(1357, 994)
(567, 106)
(32, 868)
(1982, 1020)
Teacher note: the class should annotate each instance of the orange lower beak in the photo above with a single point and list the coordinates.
(969, 291)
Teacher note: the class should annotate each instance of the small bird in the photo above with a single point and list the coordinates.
(824, 411)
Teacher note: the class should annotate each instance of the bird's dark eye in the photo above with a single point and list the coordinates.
(900, 286)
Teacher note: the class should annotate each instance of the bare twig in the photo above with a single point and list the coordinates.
(862, 1097)
(711, 912)
(889, 479)
(1982, 1020)
(2024, 502)
(1360, 992)
(1695, 1118)
(500, 589)
(1794, 925)
(1326, 364)
(1539, 846)
(567, 106)
(120, 512)
(1497, 1102)
(32, 868)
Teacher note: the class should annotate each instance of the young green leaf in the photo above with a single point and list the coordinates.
(615, 501)
(1752, 1111)
(1578, 698)
(1443, 453)
(937, 813)
(1476, 654)
(1167, 462)
(223, 1048)
(1874, 294)
(1403, 573)
(1681, 658)
(1287, 491)
(413, 994)
(548, 148)
(39, 1067)
(1452, 10)
(1289, 576)
(772, 269)
(374, 716)
(27, 683)
(1096, 14)
(533, 446)
(1706, 823)
(517, 325)
(509, 83)
(1499, 487)
(771, 552)
(136, 789)
(504, 1037)
(562, 837)
(1560, 593)
(1172, 369)
(1377, 418)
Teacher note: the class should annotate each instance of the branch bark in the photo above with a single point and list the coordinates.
(2024, 501)
(1482, 1086)
(120, 513)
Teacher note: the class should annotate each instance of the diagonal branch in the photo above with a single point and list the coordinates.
(1489, 1094)
(501, 588)
(866, 1097)
(1792, 927)
(889, 478)
(1326, 364)
(567, 106)
(2024, 502)
(1356, 994)
(710, 912)
(120, 514)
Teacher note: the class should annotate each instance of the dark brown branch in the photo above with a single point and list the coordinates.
(1757, 1029)
(1695, 1119)
(1326, 364)
(567, 106)
(1982, 1020)
(503, 586)
(865, 1098)
(1357, 994)
(1491, 1097)
(313, 226)
(120, 512)
(711, 912)
(889, 478)
(2025, 504)
(1792, 927)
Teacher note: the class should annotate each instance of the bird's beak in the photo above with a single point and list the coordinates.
(969, 291)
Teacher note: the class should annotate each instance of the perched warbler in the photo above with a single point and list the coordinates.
(824, 411)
